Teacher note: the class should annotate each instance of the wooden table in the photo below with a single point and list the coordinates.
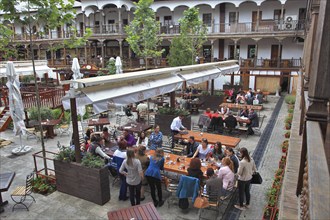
(240, 106)
(98, 123)
(136, 127)
(49, 125)
(239, 119)
(146, 211)
(212, 138)
(5, 181)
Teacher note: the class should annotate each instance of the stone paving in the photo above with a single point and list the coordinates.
(62, 206)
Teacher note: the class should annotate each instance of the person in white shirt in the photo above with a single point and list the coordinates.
(176, 127)
(142, 109)
(142, 140)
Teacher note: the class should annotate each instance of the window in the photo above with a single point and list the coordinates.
(207, 19)
(125, 21)
(97, 23)
(111, 21)
(251, 51)
(167, 20)
(232, 17)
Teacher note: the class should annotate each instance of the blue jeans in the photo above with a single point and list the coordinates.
(123, 188)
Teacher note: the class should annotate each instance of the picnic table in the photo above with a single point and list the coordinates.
(5, 181)
(98, 123)
(212, 138)
(136, 127)
(138, 212)
(240, 106)
(49, 125)
(239, 119)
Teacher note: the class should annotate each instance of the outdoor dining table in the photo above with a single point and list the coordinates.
(240, 106)
(239, 119)
(5, 181)
(136, 127)
(49, 125)
(138, 212)
(98, 123)
(212, 138)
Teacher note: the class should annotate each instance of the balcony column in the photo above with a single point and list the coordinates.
(279, 56)
(236, 17)
(120, 41)
(101, 19)
(49, 34)
(212, 20)
(282, 16)
(102, 51)
(64, 56)
(120, 22)
(256, 51)
(258, 19)
(84, 24)
(85, 50)
(51, 54)
(212, 50)
(39, 52)
(129, 56)
(235, 48)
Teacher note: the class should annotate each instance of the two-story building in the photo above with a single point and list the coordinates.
(266, 36)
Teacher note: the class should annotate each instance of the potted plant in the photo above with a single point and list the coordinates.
(272, 201)
(166, 115)
(277, 183)
(287, 134)
(268, 213)
(275, 215)
(279, 172)
(287, 126)
(282, 162)
(284, 148)
(88, 180)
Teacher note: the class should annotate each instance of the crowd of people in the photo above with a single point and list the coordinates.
(245, 97)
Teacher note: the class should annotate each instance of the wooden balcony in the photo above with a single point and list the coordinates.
(293, 64)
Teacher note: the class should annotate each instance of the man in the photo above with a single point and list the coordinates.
(142, 109)
(254, 121)
(213, 185)
(231, 122)
(191, 146)
(176, 127)
(96, 147)
(129, 138)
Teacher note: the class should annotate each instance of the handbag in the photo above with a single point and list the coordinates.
(256, 178)
(201, 202)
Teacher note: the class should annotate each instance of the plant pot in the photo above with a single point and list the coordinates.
(275, 214)
(268, 213)
(274, 201)
(281, 164)
(287, 135)
(284, 149)
(287, 127)
(83, 182)
(166, 120)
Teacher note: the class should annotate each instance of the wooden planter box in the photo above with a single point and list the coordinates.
(271, 211)
(211, 101)
(164, 121)
(83, 182)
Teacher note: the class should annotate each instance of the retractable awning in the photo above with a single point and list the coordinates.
(25, 69)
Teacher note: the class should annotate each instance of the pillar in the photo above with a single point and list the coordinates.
(235, 48)
(212, 20)
(102, 52)
(64, 56)
(258, 18)
(129, 56)
(236, 16)
(282, 16)
(120, 41)
(85, 49)
(279, 53)
(120, 22)
(39, 52)
(84, 24)
(212, 50)
(101, 21)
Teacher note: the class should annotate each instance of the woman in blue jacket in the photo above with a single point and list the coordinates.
(154, 178)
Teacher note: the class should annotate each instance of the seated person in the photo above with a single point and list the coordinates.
(226, 174)
(215, 114)
(244, 112)
(106, 135)
(231, 121)
(191, 146)
(96, 147)
(254, 121)
(203, 151)
(121, 151)
(259, 96)
(208, 112)
(224, 110)
(213, 185)
(142, 140)
(128, 110)
(217, 152)
(240, 98)
(194, 169)
(129, 138)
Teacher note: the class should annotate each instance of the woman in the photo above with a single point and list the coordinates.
(231, 154)
(203, 150)
(194, 169)
(144, 159)
(142, 140)
(106, 135)
(217, 153)
(154, 178)
(245, 170)
(132, 169)
(118, 157)
(156, 139)
(226, 173)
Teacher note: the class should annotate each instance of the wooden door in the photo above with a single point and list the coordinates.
(274, 55)
(254, 20)
(246, 80)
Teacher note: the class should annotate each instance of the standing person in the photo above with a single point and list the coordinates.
(156, 138)
(245, 170)
(145, 161)
(226, 173)
(203, 150)
(191, 146)
(176, 127)
(154, 178)
(132, 169)
(142, 140)
(106, 136)
(231, 154)
(118, 157)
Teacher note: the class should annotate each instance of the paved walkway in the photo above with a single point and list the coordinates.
(62, 206)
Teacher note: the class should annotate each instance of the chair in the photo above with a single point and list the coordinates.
(171, 188)
(114, 166)
(257, 130)
(30, 133)
(167, 145)
(21, 192)
(179, 149)
(64, 129)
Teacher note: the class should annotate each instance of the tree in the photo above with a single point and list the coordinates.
(48, 13)
(142, 32)
(185, 47)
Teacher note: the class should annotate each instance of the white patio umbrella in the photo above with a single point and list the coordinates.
(118, 65)
(16, 107)
(77, 75)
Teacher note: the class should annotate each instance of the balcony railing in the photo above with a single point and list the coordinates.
(270, 63)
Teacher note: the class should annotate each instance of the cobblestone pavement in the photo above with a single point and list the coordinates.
(62, 206)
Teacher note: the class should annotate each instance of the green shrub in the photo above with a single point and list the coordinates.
(111, 66)
(56, 113)
(45, 113)
(290, 99)
(92, 161)
(65, 154)
(290, 110)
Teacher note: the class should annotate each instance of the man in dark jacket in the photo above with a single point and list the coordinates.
(254, 121)
(191, 146)
(231, 122)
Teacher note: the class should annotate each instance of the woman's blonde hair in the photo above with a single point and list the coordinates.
(130, 156)
(159, 154)
(226, 161)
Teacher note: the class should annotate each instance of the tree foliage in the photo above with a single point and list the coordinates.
(185, 47)
(142, 31)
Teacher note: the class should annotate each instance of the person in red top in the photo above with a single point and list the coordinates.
(208, 112)
(215, 114)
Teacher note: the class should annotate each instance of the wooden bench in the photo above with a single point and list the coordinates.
(138, 212)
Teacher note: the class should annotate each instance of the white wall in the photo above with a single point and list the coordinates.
(291, 49)
(220, 81)
(268, 8)
(245, 11)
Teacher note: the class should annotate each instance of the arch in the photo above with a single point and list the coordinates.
(265, 1)
(231, 3)
(90, 10)
(180, 6)
(163, 7)
(248, 1)
(125, 6)
(109, 5)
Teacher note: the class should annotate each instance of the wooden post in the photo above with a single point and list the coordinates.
(75, 130)
(172, 99)
(212, 87)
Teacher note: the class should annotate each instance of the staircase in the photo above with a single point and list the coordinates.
(5, 119)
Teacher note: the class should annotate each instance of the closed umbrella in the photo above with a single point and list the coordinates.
(16, 107)
(77, 75)
(118, 65)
